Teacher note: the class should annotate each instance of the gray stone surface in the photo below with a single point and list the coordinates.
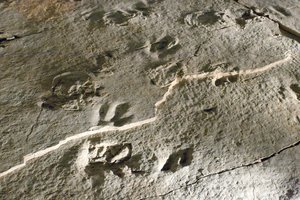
(149, 99)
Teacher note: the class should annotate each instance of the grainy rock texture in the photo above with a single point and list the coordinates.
(150, 99)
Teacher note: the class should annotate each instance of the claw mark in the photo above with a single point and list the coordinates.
(121, 17)
(163, 75)
(96, 158)
(162, 47)
(210, 19)
(114, 114)
(205, 18)
(118, 153)
(69, 90)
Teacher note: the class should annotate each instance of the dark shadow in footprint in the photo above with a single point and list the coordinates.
(116, 115)
(141, 7)
(163, 44)
(181, 158)
(171, 163)
(225, 80)
(242, 21)
(162, 75)
(209, 17)
(102, 113)
(195, 19)
(96, 173)
(123, 121)
(210, 109)
(118, 17)
(96, 20)
(121, 110)
(186, 157)
(296, 89)
(171, 51)
(134, 163)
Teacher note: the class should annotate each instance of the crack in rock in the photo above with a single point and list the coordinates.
(258, 161)
(34, 125)
(287, 31)
(175, 83)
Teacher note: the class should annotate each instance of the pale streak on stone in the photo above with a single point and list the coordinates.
(83, 135)
(217, 75)
(176, 82)
(267, 67)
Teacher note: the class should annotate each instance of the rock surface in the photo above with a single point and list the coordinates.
(150, 99)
